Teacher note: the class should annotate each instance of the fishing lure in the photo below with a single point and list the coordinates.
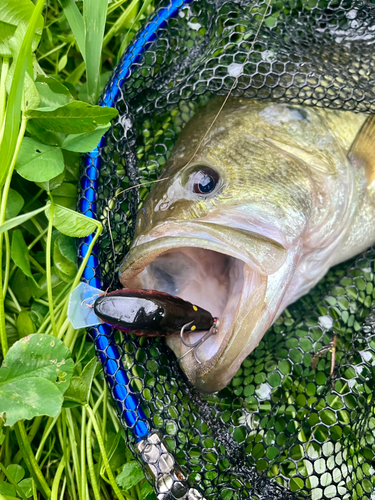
(146, 313)
(149, 313)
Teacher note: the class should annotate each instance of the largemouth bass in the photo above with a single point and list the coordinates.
(275, 195)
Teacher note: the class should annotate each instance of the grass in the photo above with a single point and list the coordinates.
(54, 58)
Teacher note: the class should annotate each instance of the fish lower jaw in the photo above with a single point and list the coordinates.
(220, 283)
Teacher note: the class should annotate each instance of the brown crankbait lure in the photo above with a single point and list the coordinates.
(150, 313)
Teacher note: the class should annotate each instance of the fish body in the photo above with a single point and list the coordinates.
(250, 219)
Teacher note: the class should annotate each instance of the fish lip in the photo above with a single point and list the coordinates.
(208, 236)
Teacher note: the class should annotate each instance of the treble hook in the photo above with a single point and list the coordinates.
(194, 347)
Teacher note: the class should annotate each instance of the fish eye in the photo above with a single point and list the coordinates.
(204, 180)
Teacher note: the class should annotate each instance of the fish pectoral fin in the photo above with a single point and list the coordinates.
(362, 151)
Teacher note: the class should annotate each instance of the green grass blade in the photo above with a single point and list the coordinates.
(129, 33)
(76, 23)
(16, 221)
(76, 75)
(12, 14)
(13, 113)
(94, 16)
(115, 5)
(125, 19)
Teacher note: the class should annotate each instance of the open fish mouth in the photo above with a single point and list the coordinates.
(207, 278)
(220, 269)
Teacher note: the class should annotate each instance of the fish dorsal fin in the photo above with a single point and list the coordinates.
(362, 150)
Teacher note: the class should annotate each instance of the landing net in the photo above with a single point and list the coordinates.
(280, 430)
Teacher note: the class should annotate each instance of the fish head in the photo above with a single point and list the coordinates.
(222, 230)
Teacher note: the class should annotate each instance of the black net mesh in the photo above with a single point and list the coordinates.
(280, 430)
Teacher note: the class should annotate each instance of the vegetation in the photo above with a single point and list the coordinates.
(59, 435)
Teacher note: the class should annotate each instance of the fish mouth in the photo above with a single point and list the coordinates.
(220, 269)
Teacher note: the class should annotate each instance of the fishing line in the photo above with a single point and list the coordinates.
(233, 85)
(109, 223)
(113, 251)
(141, 185)
(199, 145)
